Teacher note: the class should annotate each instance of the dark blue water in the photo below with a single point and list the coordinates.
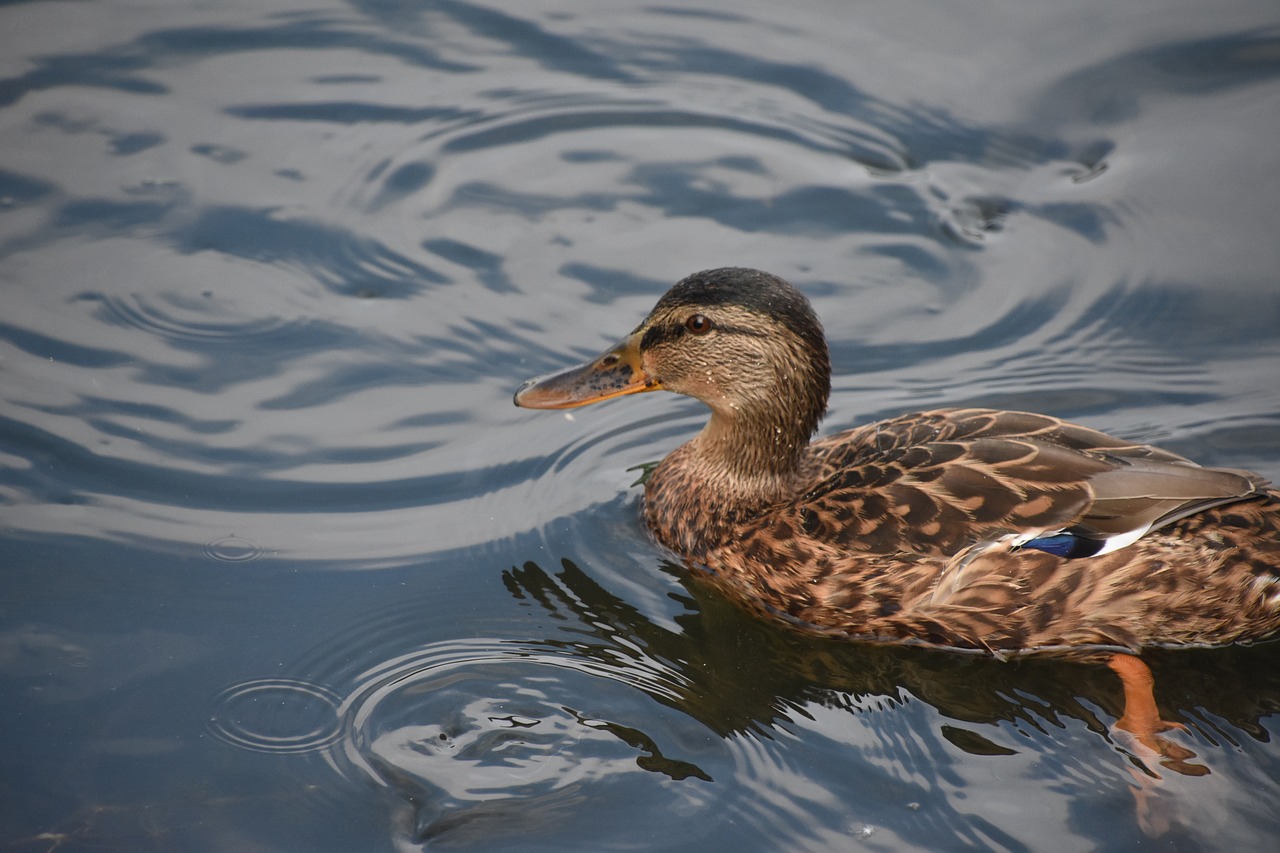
(282, 568)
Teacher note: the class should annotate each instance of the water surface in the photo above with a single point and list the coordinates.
(284, 569)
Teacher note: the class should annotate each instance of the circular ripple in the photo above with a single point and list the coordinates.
(276, 715)
(233, 549)
(491, 738)
(186, 318)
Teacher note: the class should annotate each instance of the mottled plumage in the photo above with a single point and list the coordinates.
(964, 528)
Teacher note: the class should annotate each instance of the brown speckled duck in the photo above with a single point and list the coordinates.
(970, 529)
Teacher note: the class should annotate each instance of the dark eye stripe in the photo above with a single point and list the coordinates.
(664, 334)
(660, 335)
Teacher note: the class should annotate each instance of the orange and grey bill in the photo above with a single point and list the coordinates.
(613, 374)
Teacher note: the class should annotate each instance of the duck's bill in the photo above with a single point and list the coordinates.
(614, 374)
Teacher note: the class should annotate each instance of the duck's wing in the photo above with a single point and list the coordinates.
(937, 482)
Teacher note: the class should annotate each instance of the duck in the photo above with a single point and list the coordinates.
(970, 529)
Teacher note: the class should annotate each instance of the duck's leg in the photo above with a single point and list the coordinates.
(1141, 718)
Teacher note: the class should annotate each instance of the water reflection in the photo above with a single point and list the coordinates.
(468, 733)
(756, 684)
(740, 726)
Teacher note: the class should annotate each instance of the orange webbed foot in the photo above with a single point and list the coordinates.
(1141, 719)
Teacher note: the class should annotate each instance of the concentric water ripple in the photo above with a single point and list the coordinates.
(496, 737)
(196, 318)
(233, 549)
(276, 715)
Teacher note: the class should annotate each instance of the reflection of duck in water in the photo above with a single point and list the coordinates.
(972, 529)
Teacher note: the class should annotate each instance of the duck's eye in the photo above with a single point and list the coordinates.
(699, 324)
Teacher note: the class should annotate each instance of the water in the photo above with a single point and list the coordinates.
(284, 569)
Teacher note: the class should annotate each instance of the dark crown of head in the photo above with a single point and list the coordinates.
(756, 291)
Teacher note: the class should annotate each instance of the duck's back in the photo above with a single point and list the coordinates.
(937, 482)
(950, 527)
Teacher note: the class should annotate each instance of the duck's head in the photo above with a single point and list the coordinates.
(742, 341)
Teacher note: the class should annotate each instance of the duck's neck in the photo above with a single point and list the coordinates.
(752, 460)
(726, 476)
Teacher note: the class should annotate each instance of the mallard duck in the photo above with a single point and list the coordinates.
(998, 531)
